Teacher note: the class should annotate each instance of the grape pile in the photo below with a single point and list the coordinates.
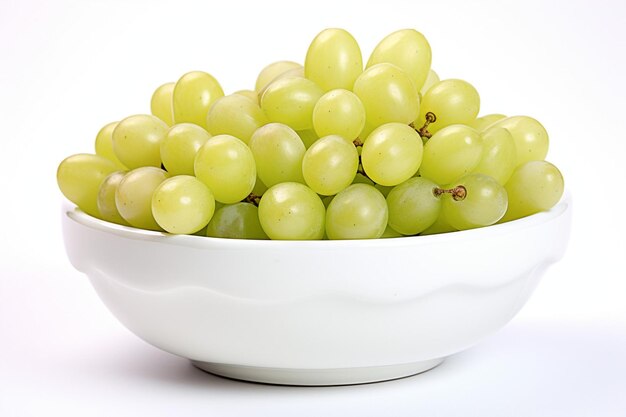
(328, 149)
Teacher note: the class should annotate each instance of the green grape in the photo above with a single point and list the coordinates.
(431, 80)
(106, 198)
(226, 165)
(79, 178)
(291, 101)
(339, 112)
(413, 206)
(330, 165)
(278, 153)
(182, 204)
(235, 115)
(388, 95)
(137, 140)
(133, 197)
(333, 60)
(179, 147)
(531, 138)
(407, 49)
(534, 186)
(273, 70)
(452, 102)
(161, 103)
(308, 137)
(358, 212)
(251, 94)
(389, 232)
(193, 95)
(481, 201)
(441, 225)
(499, 156)
(483, 122)
(104, 144)
(292, 211)
(392, 154)
(451, 153)
(236, 221)
(292, 73)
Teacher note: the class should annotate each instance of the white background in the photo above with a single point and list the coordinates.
(69, 67)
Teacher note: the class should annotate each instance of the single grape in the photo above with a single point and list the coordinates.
(137, 140)
(273, 70)
(291, 101)
(235, 115)
(193, 95)
(236, 221)
(389, 232)
(104, 144)
(483, 122)
(531, 138)
(452, 102)
(251, 94)
(182, 204)
(161, 103)
(133, 197)
(413, 206)
(358, 212)
(441, 225)
(106, 198)
(499, 156)
(339, 112)
(292, 73)
(292, 211)
(431, 80)
(179, 147)
(330, 165)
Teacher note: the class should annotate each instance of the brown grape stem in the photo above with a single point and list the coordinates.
(357, 142)
(423, 131)
(252, 199)
(458, 193)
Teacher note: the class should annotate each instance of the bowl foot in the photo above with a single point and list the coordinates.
(317, 377)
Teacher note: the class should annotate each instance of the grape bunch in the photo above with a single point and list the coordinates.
(326, 150)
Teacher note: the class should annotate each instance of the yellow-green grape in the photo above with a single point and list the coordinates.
(451, 153)
(413, 206)
(477, 200)
(278, 153)
(483, 122)
(292, 211)
(358, 212)
(179, 147)
(534, 186)
(79, 178)
(308, 137)
(330, 165)
(407, 49)
(499, 156)
(106, 198)
(292, 73)
(452, 102)
(333, 60)
(226, 165)
(339, 112)
(388, 95)
(392, 154)
(273, 70)
(236, 221)
(193, 95)
(531, 138)
(291, 101)
(235, 115)
(182, 204)
(133, 197)
(104, 144)
(137, 140)
(431, 80)
(251, 94)
(441, 225)
(161, 103)
(389, 232)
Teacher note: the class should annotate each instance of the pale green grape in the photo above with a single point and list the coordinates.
(251, 94)
(273, 70)
(79, 178)
(339, 112)
(441, 225)
(235, 115)
(534, 186)
(278, 153)
(137, 140)
(104, 144)
(182, 204)
(308, 137)
(499, 156)
(236, 221)
(484, 202)
(292, 211)
(161, 103)
(193, 95)
(407, 49)
(291, 101)
(531, 138)
(226, 165)
(452, 102)
(179, 147)
(333, 60)
(297, 72)
(133, 197)
(389, 232)
(413, 206)
(451, 153)
(388, 95)
(330, 165)
(106, 198)
(358, 212)
(392, 154)
(483, 122)
(431, 80)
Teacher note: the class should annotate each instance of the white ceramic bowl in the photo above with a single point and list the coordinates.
(316, 312)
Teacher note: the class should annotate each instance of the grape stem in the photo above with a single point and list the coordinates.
(252, 199)
(423, 131)
(458, 193)
(357, 142)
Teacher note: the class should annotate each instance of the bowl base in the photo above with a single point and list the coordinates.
(317, 377)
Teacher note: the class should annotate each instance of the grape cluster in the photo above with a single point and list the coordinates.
(326, 150)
